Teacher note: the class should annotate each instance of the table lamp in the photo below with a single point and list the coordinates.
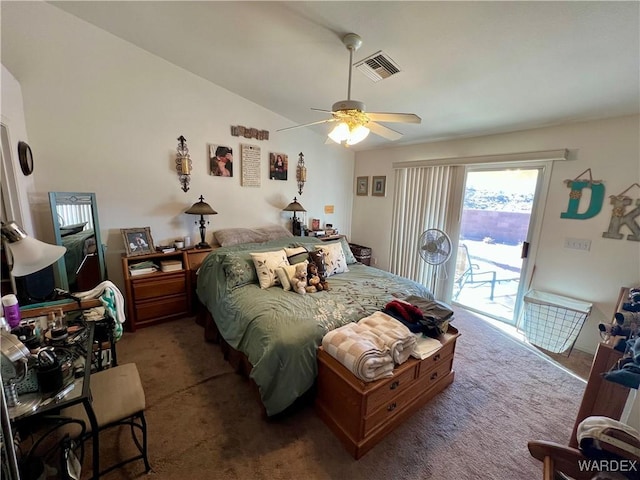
(28, 254)
(201, 208)
(294, 207)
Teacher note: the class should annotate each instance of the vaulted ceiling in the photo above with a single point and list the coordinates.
(467, 68)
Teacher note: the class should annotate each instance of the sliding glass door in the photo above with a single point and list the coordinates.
(494, 239)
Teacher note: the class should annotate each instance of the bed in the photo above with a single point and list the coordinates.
(279, 331)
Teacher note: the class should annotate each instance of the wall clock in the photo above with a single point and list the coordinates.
(25, 157)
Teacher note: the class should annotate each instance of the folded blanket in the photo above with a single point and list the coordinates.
(360, 350)
(393, 333)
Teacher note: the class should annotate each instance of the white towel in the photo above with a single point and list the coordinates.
(425, 346)
(360, 350)
(393, 333)
(113, 301)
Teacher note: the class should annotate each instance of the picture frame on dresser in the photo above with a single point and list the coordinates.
(137, 241)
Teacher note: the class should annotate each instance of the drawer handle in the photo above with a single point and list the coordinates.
(394, 385)
(391, 407)
(436, 357)
(434, 375)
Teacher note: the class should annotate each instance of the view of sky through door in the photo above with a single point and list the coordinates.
(495, 223)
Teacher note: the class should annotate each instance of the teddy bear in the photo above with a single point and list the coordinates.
(299, 279)
(317, 258)
(313, 280)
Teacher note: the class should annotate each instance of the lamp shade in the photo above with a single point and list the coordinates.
(294, 207)
(201, 208)
(29, 255)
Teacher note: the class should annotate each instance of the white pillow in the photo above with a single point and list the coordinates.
(286, 273)
(266, 264)
(296, 254)
(334, 259)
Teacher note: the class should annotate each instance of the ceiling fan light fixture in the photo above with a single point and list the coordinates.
(358, 134)
(339, 133)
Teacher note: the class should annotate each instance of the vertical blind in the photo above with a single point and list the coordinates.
(421, 201)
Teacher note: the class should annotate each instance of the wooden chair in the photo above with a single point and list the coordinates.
(117, 399)
(467, 273)
(573, 463)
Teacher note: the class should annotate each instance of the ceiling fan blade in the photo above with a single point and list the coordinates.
(394, 117)
(307, 124)
(383, 131)
(321, 110)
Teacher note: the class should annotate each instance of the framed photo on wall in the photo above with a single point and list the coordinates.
(362, 186)
(379, 186)
(220, 160)
(137, 241)
(278, 166)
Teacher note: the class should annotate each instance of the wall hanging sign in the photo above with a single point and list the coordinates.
(620, 217)
(246, 132)
(577, 185)
(250, 166)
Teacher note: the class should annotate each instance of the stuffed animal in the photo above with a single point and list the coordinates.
(313, 280)
(317, 257)
(299, 279)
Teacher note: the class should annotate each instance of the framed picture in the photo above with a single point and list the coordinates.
(379, 186)
(362, 186)
(137, 241)
(220, 161)
(278, 166)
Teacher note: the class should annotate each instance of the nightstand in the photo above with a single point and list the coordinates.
(156, 296)
(195, 257)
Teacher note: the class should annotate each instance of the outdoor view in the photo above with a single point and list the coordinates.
(495, 221)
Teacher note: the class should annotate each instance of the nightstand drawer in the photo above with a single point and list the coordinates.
(159, 287)
(162, 307)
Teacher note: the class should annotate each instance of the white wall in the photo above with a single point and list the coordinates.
(104, 116)
(611, 148)
(12, 116)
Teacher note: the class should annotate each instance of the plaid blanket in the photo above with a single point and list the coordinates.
(393, 333)
(360, 350)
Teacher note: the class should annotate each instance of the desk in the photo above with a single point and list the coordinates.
(80, 345)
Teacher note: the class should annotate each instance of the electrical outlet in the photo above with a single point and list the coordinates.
(374, 260)
(577, 243)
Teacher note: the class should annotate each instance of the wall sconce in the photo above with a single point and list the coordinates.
(301, 173)
(296, 227)
(183, 163)
(201, 208)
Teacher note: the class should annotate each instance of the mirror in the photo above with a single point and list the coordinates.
(76, 227)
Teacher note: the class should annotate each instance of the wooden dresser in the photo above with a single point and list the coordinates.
(361, 413)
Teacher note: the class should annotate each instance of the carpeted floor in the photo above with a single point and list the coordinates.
(205, 423)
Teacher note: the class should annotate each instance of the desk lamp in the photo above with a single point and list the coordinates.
(201, 208)
(294, 207)
(29, 255)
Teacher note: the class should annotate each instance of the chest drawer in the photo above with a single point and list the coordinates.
(159, 287)
(435, 360)
(392, 389)
(392, 406)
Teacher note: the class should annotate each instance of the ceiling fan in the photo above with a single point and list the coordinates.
(353, 121)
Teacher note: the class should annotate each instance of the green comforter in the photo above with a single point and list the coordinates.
(279, 331)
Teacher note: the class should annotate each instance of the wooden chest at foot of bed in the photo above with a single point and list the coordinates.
(361, 413)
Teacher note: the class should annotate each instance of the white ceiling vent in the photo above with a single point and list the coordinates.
(378, 66)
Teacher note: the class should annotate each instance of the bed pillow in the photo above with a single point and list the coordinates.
(334, 259)
(239, 270)
(348, 254)
(285, 275)
(233, 236)
(266, 264)
(296, 255)
(274, 232)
